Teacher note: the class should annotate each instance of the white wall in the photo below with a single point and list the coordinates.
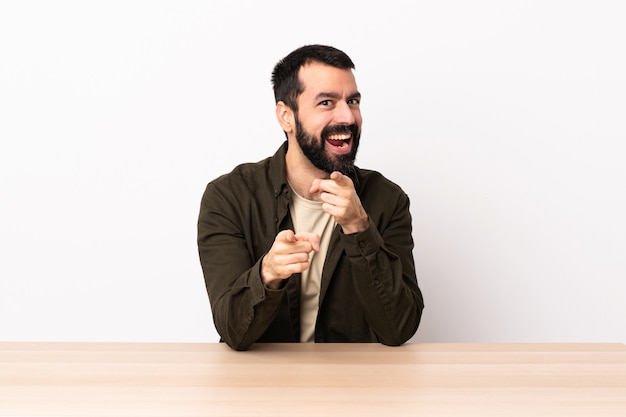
(505, 122)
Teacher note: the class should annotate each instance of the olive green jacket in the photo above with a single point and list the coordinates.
(369, 291)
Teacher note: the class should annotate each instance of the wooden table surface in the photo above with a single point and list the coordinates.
(210, 379)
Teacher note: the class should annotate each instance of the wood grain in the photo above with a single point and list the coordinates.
(169, 379)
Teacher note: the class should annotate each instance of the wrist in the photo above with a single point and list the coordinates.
(356, 227)
(268, 279)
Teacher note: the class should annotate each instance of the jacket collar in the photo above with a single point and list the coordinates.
(278, 170)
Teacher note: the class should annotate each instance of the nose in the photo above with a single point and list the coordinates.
(345, 114)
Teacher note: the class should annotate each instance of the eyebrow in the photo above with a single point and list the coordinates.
(323, 95)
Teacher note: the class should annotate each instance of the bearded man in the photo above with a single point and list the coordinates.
(304, 246)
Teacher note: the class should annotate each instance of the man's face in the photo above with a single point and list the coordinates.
(328, 122)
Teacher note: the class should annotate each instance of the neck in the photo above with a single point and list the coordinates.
(301, 172)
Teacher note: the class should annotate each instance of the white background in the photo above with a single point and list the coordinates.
(504, 121)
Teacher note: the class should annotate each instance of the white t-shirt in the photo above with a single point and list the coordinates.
(308, 216)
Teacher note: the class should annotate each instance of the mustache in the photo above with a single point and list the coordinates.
(353, 129)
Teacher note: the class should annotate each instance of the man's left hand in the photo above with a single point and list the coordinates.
(339, 199)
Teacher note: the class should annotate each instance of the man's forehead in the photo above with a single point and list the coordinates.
(317, 78)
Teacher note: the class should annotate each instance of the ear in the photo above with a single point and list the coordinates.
(285, 117)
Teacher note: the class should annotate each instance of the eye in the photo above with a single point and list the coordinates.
(325, 103)
(354, 101)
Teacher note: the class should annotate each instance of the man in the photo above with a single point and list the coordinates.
(304, 246)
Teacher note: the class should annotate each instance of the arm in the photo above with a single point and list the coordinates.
(241, 305)
(379, 247)
(384, 277)
(244, 279)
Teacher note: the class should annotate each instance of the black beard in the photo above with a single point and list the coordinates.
(313, 148)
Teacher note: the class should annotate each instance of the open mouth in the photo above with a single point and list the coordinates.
(339, 140)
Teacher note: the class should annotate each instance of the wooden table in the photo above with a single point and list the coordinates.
(154, 379)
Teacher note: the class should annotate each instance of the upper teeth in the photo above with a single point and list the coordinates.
(342, 136)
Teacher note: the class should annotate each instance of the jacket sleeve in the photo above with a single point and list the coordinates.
(241, 305)
(384, 275)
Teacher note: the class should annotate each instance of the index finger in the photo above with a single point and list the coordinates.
(340, 178)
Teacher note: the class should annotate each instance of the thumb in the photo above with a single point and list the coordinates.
(315, 186)
(312, 238)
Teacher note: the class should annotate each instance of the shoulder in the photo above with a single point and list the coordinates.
(243, 172)
(254, 176)
(235, 191)
(244, 180)
(382, 198)
(386, 203)
(371, 181)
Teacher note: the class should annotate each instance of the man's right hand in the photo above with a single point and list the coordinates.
(288, 255)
